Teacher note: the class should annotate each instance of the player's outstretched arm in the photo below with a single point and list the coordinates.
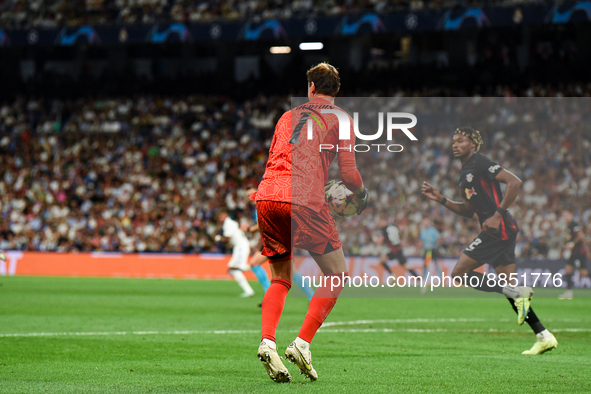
(513, 186)
(461, 208)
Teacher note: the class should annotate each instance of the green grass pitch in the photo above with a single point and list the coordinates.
(95, 335)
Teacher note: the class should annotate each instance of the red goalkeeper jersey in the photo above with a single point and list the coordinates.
(299, 157)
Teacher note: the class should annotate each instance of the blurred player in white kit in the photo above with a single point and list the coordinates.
(238, 263)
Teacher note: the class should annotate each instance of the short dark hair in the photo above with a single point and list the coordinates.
(471, 133)
(326, 79)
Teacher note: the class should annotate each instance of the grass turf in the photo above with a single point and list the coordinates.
(97, 335)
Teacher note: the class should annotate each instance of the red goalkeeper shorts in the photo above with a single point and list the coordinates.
(284, 226)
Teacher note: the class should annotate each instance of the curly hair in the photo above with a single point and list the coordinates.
(471, 133)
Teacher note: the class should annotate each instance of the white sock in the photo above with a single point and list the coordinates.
(302, 344)
(512, 292)
(270, 343)
(544, 335)
(241, 280)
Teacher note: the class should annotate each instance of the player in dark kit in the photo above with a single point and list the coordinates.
(577, 260)
(481, 194)
(393, 248)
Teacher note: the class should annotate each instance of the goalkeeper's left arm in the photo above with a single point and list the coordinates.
(352, 179)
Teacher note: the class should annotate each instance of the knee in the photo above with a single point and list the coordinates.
(281, 270)
(282, 275)
(457, 272)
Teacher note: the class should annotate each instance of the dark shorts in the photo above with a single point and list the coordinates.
(434, 254)
(488, 249)
(284, 226)
(398, 256)
(579, 262)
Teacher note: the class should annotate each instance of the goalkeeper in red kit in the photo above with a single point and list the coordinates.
(293, 213)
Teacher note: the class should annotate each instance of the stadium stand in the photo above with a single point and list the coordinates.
(147, 174)
(52, 13)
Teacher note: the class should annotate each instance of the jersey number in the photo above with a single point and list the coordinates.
(474, 244)
(295, 135)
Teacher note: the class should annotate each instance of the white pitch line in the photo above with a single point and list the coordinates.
(188, 332)
(357, 322)
(216, 332)
(382, 330)
(323, 329)
(223, 332)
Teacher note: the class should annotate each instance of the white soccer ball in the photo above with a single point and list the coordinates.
(341, 201)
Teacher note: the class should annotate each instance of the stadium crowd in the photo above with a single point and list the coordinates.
(147, 174)
(52, 13)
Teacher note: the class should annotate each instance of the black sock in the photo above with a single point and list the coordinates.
(482, 280)
(569, 281)
(413, 272)
(531, 318)
(385, 265)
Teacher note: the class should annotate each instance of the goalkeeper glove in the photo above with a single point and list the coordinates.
(361, 200)
(328, 188)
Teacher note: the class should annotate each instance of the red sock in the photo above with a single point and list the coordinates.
(273, 303)
(320, 306)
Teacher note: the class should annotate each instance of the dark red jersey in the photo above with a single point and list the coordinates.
(483, 192)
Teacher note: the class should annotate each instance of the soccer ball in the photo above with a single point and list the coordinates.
(341, 201)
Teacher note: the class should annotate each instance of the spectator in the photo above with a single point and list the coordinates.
(147, 174)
